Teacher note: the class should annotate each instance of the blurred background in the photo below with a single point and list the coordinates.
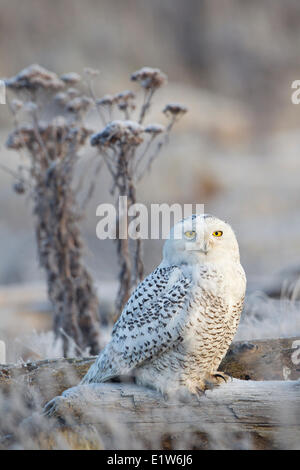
(237, 150)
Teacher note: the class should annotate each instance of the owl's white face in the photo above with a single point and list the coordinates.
(200, 239)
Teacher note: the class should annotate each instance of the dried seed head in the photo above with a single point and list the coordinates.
(125, 99)
(19, 187)
(125, 105)
(61, 98)
(111, 133)
(56, 131)
(123, 132)
(174, 109)
(149, 78)
(154, 129)
(124, 96)
(80, 103)
(19, 138)
(71, 78)
(134, 127)
(34, 77)
(106, 100)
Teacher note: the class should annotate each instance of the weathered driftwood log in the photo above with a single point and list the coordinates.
(262, 411)
(272, 359)
(240, 414)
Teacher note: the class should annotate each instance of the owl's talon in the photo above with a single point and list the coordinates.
(223, 376)
(214, 380)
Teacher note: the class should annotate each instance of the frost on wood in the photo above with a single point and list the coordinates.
(271, 359)
(237, 415)
(240, 414)
(243, 414)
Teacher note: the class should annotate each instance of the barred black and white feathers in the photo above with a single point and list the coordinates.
(179, 322)
(151, 323)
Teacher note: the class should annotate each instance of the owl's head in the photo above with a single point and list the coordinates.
(200, 239)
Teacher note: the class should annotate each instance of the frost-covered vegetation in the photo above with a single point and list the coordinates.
(50, 132)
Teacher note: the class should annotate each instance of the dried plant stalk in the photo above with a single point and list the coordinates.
(125, 146)
(52, 148)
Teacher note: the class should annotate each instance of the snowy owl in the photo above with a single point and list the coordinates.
(180, 320)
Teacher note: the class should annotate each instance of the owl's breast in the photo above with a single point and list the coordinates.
(214, 305)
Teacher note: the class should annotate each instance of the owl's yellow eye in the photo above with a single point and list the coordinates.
(190, 234)
(217, 233)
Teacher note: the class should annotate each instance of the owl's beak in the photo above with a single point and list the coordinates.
(204, 248)
(200, 246)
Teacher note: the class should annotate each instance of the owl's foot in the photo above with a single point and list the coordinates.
(216, 379)
(196, 390)
(186, 392)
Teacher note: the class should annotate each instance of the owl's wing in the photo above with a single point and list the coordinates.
(150, 323)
